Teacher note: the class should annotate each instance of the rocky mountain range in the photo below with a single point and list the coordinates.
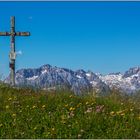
(48, 77)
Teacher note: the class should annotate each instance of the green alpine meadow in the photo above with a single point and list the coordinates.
(38, 114)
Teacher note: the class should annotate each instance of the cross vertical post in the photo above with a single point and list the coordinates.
(12, 52)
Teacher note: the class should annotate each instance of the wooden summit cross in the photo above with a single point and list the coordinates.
(12, 54)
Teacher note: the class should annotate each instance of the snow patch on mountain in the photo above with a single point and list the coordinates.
(78, 76)
(44, 71)
(32, 78)
(88, 74)
(128, 82)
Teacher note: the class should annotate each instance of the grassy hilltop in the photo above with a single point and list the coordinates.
(25, 113)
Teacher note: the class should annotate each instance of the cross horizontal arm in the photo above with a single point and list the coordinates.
(4, 34)
(22, 33)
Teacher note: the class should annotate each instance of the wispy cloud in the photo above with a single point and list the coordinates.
(19, 53)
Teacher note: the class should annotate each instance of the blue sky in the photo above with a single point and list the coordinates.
(100, 36)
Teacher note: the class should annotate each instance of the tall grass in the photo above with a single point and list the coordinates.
(25, 113)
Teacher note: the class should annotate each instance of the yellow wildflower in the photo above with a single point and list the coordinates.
(119, 112)
(35, 128)
(72, 108)
(14, 120)
(76, 122)
(9, 99)
(43, 106)
(139, 118)
(122, 114)
(121, 103)
(34, 106)
(13, 115)
(15, 98)
(87, 103)
(27, 106)
(78, 105)
(7, 106)
(93, 103)
(112, 113)
(14, 124)
(66, 105)
(70, 96)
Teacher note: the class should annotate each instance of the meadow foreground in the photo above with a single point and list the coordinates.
(25, 113)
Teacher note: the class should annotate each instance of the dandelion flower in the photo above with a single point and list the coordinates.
(119, 112)
(139, 118)
(93, 103)
(87, 103)
(43, 106)
(34, 106)
(35, 128)
(7, 106)
(70, 96)
(121, 103)
(13, 115)
(112, 113)
(72, 108)
(66, 105)
(27, 106)
(9, 99)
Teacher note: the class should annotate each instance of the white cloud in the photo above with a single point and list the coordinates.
(19, 53)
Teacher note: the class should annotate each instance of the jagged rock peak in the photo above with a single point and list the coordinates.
(131, 71)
